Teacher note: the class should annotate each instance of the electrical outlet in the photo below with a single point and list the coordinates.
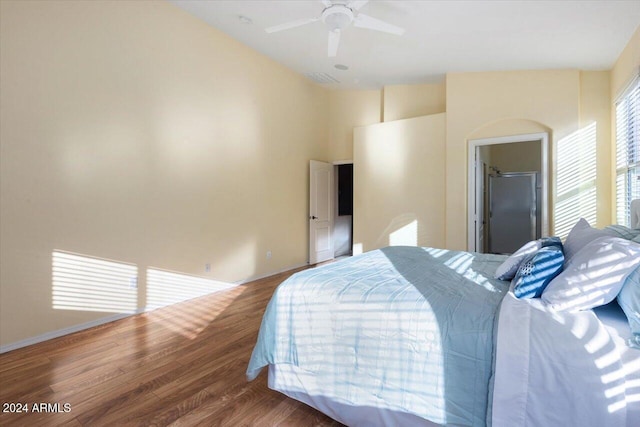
(207, 268)
(268, 254)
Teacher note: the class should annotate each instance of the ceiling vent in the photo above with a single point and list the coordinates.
(322, 78)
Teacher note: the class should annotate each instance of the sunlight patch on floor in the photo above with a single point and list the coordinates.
(191, 318)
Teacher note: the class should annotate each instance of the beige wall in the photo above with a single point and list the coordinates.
(135, 132)
(354, 108)
(476, 100)
(626, 66)
(595, 107)
(347, 110)
(407, 101)
(508, 127)
(483, 105)
(398, 177)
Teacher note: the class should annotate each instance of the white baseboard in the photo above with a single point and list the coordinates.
(65, 331)
(262, 276)
(82, 326)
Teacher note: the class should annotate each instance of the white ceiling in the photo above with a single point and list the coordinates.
(440, 37)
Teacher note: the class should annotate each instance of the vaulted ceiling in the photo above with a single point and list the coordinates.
(440, 36)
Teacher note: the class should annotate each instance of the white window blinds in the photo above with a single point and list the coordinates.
(627, 150)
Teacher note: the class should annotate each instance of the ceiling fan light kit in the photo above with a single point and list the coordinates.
(338, 16)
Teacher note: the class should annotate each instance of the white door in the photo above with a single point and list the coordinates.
(320, 211)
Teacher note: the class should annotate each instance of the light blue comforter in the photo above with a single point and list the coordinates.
(403, 328)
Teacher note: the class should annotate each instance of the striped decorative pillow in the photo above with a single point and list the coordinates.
(537, 271)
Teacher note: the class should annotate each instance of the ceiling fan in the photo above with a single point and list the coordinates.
(338, 15)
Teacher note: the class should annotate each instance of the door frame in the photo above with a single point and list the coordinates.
(480, 200)
(337, 163)
(473, 186)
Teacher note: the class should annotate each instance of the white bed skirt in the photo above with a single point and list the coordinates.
(287, 379)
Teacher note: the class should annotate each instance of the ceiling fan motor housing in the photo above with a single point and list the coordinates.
(337, 17)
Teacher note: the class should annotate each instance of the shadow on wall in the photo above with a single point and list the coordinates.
(404, 230)
(406, 235)
(85, 283)
(576, 180)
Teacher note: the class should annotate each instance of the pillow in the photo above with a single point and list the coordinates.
(622, 231)
(536, 271)
(629, 300)
(552, 241)
(636, 239)
(594, 275)
(581, 234)
(507, 270)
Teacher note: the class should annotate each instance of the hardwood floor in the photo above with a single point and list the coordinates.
(179, 365)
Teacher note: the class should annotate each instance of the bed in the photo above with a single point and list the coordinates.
(424, 336)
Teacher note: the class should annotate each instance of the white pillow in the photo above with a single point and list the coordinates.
(509, 267)
(594, 276)
(581, 234)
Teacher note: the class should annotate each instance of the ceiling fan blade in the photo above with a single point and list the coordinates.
(366, 21)
(334, 41)
(358, 4)
(292, 24)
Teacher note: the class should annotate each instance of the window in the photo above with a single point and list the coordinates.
(627, 150)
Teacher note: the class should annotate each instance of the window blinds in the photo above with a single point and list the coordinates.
(627, 150)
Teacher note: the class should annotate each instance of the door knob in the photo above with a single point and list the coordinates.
(314, 217)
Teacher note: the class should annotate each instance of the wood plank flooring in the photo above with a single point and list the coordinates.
(182, 365)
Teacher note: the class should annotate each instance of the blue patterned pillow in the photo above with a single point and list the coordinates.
(508, 269)
(535, 272)
(552, 241)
